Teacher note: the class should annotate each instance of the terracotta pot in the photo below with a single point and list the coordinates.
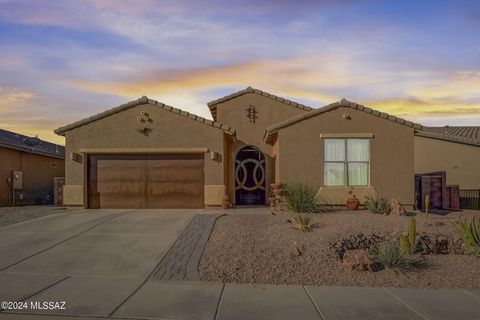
(226, 204)
(352, 203)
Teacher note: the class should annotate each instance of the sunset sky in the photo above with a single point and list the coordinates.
(61, 61)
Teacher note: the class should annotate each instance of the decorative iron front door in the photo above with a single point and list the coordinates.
(250, 177)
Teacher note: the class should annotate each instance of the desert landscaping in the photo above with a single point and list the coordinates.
(268, 249)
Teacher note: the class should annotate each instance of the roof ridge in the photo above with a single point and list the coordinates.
(25, 136)
(448, 137)
(341, 103)
(142, 100)
(212, 104)
(17, 141)
(462, 134)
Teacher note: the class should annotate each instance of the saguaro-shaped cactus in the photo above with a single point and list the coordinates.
(427, 204)
(405, 246)
(412, 234)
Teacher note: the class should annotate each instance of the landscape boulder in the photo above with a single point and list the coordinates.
(358, 260)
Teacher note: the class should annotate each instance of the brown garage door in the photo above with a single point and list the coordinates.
(146, 181)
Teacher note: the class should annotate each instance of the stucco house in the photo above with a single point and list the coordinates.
(145, 154)
(28, 168)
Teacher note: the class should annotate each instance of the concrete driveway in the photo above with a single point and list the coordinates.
(92, 259)
(98, 262)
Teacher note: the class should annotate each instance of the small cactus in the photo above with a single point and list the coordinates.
(405, 246)
(412, 234)
(427, 204)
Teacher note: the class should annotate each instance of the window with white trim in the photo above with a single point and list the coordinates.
(346, 162)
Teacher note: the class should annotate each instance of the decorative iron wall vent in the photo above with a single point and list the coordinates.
(144, 117)
(252, 113)
(145, 131)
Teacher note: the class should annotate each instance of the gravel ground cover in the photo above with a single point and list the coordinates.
(9, 215)
(262, 249)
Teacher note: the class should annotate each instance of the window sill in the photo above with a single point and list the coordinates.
(347, 135)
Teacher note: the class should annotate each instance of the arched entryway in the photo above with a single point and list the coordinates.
(250, 176)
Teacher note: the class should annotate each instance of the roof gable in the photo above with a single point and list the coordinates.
(141, 101)
(212, 105)
(271, 131)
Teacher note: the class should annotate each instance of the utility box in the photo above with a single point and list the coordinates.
(17, 180)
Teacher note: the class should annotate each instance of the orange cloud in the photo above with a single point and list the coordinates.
(320, 79)
(416, 107)
(14, 116)
(290, 76)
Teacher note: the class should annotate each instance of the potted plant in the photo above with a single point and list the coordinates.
(226, 204)
(352, 202)
(277, 188)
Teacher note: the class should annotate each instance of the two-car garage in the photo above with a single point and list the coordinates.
(145, 154)
(145, 181)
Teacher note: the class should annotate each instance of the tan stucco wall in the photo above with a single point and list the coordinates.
(391, 151)
(214, 194)
(234, 113)
(73, 195)
(337, 195)
(38, 173)
(170, 130)
(460, 161)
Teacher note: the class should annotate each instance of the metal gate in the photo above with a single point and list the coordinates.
(470, 199)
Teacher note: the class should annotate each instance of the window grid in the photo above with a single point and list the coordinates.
(345, 165)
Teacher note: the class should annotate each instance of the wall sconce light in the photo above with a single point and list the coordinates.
(76, 157)
(346, 116)
(215, 156)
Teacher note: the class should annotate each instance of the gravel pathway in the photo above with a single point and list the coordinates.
(9, 215)
(181, 261)
(262, 249)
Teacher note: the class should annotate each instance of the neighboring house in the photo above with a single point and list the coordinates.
(145, 154)
(455, 150)
(28, 166)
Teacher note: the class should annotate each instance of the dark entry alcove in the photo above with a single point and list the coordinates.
(250, 177)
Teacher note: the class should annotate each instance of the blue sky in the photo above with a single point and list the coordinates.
(65, 60)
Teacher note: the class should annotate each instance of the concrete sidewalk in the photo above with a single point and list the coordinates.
(215, 301)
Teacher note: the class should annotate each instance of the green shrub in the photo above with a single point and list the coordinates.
(377, 205)
(303, 223)
(405, 246)
(300, 198)
(390, 256)
(412, 234)
(470, 234)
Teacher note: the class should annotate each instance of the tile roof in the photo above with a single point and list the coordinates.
(12, 140)
(342, 103)
(466, 135)
(143, 100)
(212, 105)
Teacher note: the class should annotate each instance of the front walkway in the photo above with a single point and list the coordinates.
(182, 259)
